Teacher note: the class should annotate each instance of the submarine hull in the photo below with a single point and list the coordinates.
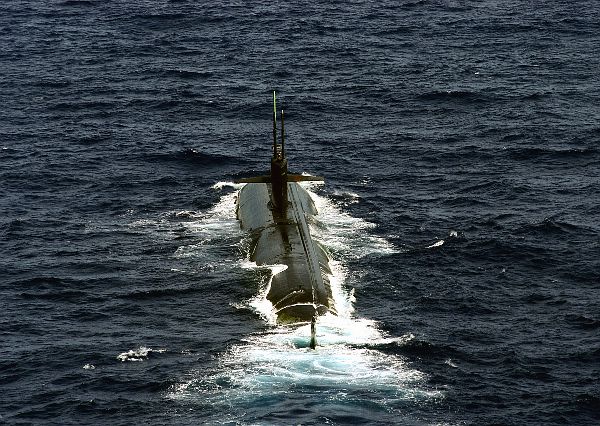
(301, 289)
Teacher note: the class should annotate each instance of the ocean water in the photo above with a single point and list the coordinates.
(460, 145)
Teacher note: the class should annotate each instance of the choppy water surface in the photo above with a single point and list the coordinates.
(459, 140)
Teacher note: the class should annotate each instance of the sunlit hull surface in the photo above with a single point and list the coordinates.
(301, 289)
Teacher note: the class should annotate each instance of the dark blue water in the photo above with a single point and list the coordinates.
(460, 142)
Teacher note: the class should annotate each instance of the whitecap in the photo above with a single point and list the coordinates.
(139, 354)
(344, 234)
(436, 244)
(225, 184)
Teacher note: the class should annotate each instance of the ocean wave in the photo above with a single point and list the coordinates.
(455, 96)
(157, 293)
(418, 110)
(538, 153)
(583, 322)
(78, 106)
(160, 16)
(187, 74)
(191, 156)
(418, 347)
(78, 3)
(589, 402)
(140, 354)
(58, 296)
(550, 226)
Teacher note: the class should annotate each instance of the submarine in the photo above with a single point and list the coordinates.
(277, 211)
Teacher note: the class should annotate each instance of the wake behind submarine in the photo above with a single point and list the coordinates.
(276, 211)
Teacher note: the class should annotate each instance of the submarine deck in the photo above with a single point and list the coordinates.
(302, 288)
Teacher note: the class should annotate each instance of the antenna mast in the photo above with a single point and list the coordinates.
(274, 125)
(282, 137)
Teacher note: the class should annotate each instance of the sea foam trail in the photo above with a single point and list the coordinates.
(278, 364)
(344, 233)
(216, 234)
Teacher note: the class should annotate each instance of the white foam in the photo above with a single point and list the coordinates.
(345, 234)
(214, 229)
(139, 354)
(223, 184)
(436, 244)
(260, 303)
(279, 362)
(450, 363)
(344, 301)
(353, 196)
